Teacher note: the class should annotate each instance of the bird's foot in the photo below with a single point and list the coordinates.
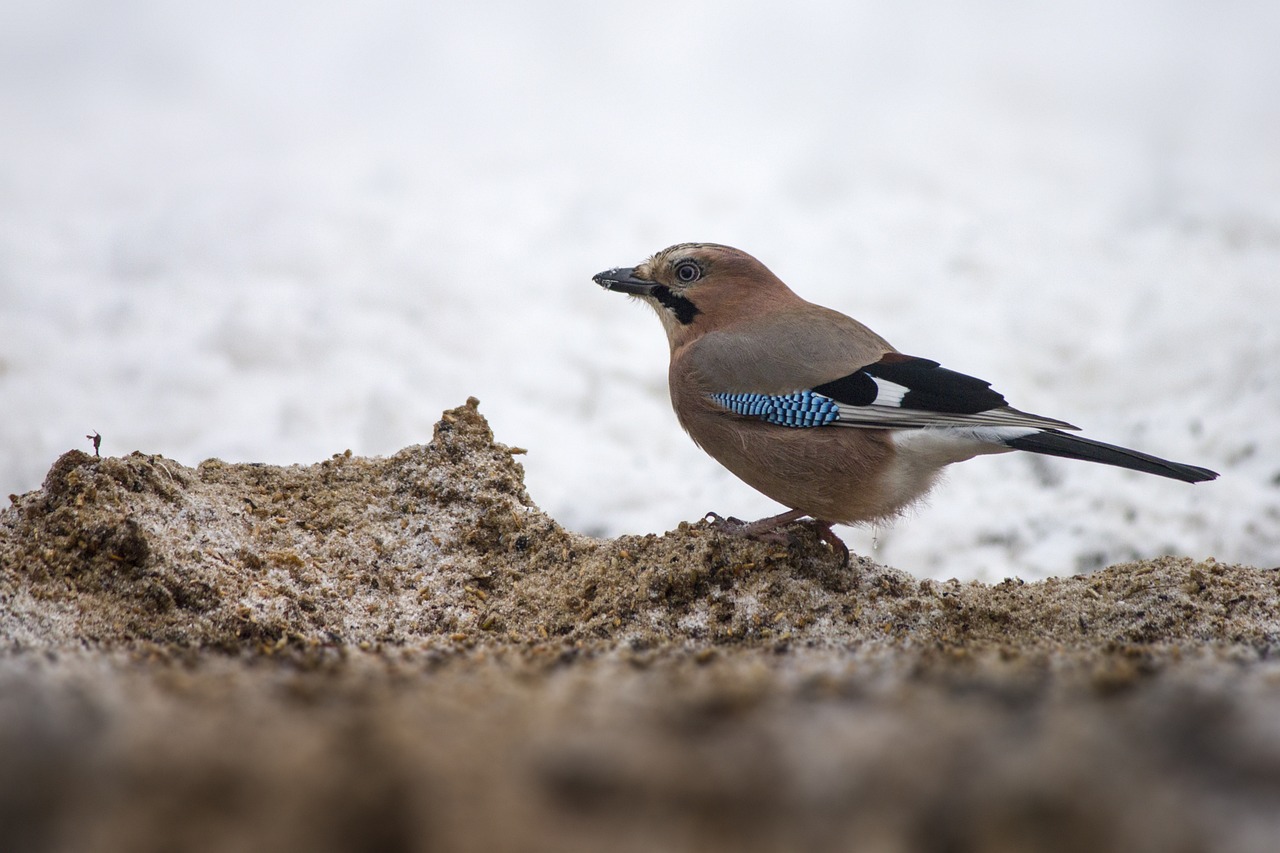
(753, 528)
(757, 530)
(826, 534)
(769, 530)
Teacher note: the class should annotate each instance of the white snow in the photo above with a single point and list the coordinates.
(272, 231)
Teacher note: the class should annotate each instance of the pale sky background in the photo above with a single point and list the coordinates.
(270, 231)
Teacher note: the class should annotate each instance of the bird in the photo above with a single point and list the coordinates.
(818, 412)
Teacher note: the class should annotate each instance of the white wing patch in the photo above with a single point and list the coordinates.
(889, 393)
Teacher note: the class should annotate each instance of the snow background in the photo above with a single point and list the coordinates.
(270, 231)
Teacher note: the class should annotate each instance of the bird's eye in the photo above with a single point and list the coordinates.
(687, 272)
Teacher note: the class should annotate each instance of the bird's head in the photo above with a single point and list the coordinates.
(698, 287)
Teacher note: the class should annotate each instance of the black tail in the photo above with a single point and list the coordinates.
(1051, 442)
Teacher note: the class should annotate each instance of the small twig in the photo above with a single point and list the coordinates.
(97, 442)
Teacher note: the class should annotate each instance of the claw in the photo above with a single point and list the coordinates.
(722, 522)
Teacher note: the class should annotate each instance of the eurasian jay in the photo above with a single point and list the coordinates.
(817, 411)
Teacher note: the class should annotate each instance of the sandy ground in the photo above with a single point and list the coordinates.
(405, 653)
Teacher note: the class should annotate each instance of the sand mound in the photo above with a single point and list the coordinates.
(406, 653)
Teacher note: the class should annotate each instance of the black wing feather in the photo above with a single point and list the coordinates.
(856, 389)
(930, 387)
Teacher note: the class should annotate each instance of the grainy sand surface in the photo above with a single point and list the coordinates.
(405, 653)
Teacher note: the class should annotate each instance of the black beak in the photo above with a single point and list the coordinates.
(623, 280)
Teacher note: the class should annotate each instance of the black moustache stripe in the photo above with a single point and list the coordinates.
(684, 310)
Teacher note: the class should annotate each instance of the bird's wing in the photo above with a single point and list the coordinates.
(894, 392)
(781, 352)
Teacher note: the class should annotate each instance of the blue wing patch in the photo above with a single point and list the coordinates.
(801, 409)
